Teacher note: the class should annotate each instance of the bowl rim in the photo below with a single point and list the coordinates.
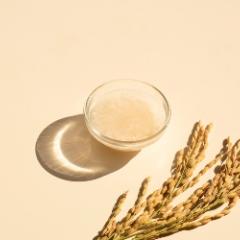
(110, 140)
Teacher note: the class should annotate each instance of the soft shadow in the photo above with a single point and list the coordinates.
(67, 150)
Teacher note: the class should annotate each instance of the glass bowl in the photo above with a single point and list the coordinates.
(118, 92)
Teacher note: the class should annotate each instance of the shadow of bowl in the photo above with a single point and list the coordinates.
(67, 150)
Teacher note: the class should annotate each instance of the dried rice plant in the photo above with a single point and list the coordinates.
(155, 216)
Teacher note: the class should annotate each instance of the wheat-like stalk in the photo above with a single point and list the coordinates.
(155, 216)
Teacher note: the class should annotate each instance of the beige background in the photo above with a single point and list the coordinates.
(53, 53)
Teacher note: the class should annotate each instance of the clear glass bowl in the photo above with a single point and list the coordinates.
(138, 88)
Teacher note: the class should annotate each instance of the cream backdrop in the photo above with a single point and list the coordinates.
(53, 53)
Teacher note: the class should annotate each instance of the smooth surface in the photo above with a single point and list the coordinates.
(53, 53)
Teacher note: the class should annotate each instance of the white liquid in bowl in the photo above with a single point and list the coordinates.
(126, 115)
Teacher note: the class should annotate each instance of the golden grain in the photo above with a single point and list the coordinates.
(156, 216)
